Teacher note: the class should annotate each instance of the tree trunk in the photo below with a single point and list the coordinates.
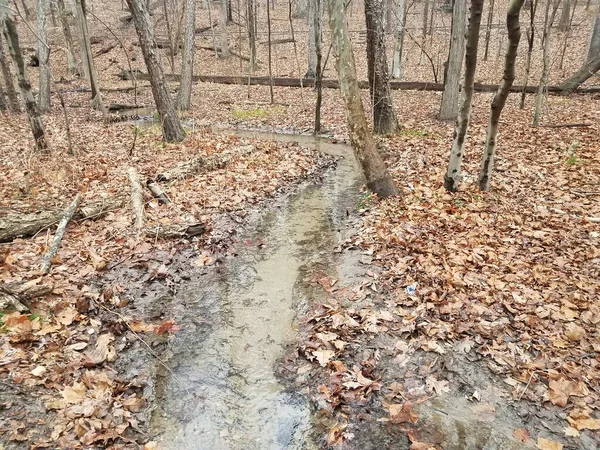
(2, 99)
(44, 58)
(250, 19)
(377, 177)
(314, 33)
(530, 42)
(542, 87)
(172, 129)
(319, 68)
(452, 177)
(594, 48)
(35, 120)
(399, 41)
(581, 76)
(88, 60)
(564, 24)
(223, 29)
(187, 58)
(488, 31)
(302, 8)
(450, 96)
(64, 21)
(11, 92)
(384, 117)
(514, 36)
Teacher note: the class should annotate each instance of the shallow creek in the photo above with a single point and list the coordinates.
(221, 391)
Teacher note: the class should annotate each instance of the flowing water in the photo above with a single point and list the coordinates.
(221, 391)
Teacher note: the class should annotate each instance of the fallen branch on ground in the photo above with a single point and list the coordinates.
(60, 231)
(18, 296)
(137, 199)
(568, 125)
(157, 191)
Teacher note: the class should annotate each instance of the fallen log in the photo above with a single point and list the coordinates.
(181, 231)
(218, 50)
(60, 231)
(279, 41)
(157, 192)
(574, 81)
(206, 163)
(105, 50)
(137, 200)
(201, 30)
(19, 295)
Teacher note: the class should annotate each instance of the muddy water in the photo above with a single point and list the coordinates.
(222, 392)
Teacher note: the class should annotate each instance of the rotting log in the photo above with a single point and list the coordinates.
(333, 84)
(157, 192)
(137, 199)
(60, 232)
(176, 231)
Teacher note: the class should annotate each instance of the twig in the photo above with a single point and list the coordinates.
(60, 231)
(568, 125)
(527, 385)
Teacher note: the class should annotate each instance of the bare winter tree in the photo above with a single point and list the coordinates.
(251, 27)
(224, 14)
(63, 16)
(87, 57)
(33, 113)
(594, 47)
(11, 92)
(377, 177)
(187, 59)
(172, 129)
(44, 58)
(450, 96)
(399, 39)
(314, 33)
(453, 175)
(384, 117)
(514, 36)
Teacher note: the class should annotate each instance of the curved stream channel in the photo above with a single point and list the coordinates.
(223, 392)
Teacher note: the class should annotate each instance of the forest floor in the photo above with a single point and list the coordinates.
(430, 320)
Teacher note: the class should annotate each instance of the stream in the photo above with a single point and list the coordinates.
(221, 391)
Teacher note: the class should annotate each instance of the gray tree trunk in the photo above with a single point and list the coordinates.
(172, 129)
(302, 8)
(384, 117)
(377, 177)
(33, 113)
(187, 58)
(44, 58)
(87, 57)
(564, 24)
(314, 30)
(581, 76)
(514, 36)
(594, 48)
(450, 96)
(399, 41)
(540, 94)
(2, 99)
(11, 92)
(453, 175)
(251, 23)
(223, 29)
(63, 16)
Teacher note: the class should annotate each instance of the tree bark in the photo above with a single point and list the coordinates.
(314, 33)
(581, 76)
(363, 144)
(319, 67)
(33, 113)
(594, 47)
(2, 99)
(223, 29)
(564, 24)
(488, 31)
(87, 57)
(450, 96)
(302, 8)
(384, 117)
(514, 36)
(11, 92)
(64, 22)
(530, 42)
(452, 177)
(250, 19)
(44, 58)
(399, 41)
(543, 84)
(172, 129)
(187, 58)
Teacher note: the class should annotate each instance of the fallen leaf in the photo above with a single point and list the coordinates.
(168, 326)
(323, 356)
(574, 332)
(439, 386)
(547, 444)
(38, 371)
(101, 352)
(74, 394)
(521, 434)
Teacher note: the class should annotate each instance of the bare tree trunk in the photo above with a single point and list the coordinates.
(399, 41)
(424, 34)
(172, 129)
(453, 175)
(384, 117)
(514, 36)
(530, 41)
(319, 67)
(581, 76)
(564, 24)
(251, 33)
(567, 34)
(450, 96)
(44, 58)
(64, 21)
(11, 92)
(594, 48)
(223, 28)
(377, 177)
(301, 8)
(2, 99)
(187, 58)
(88, 59)
(290, 19)
(172, 43)
(314, 20)
(35, 120)
(488, 31)
(539, 97)
(269, 49)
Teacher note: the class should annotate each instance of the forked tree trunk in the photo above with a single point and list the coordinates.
(64, 22)
(33, 113)
(172, 129)
(450, 96)
(399, 40)
(384, 117)
(594, 48)
(187, 58)
(452, 177)
(11, 92)
(377, 177)
(44, 58)
(88, 59)
(514, 36)
(223, 28)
